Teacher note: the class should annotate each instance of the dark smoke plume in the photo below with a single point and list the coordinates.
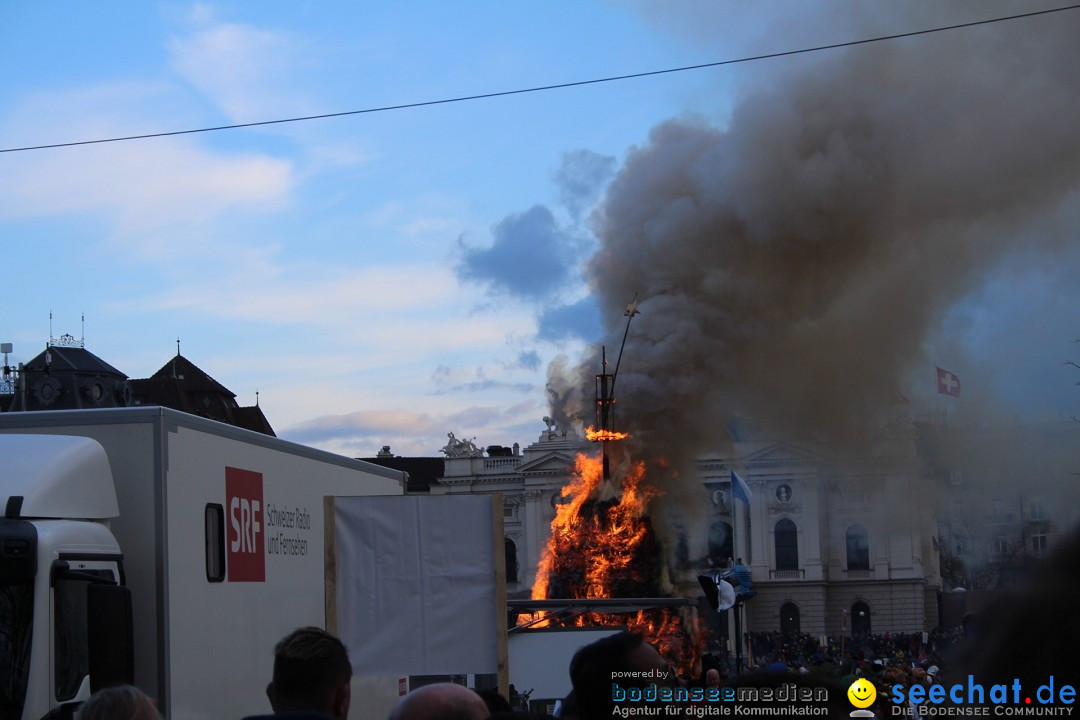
(792, 265)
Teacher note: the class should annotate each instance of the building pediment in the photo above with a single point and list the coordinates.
(777, 455)
(781, 455)
(553, 463)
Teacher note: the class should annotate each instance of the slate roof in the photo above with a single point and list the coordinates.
(193, 378)
(182, 385)
(179, 384)
(423, 471)
(74, 359)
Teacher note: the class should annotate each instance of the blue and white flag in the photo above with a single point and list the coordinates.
(739, 489)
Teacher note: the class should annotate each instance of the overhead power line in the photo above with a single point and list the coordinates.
(543, 88)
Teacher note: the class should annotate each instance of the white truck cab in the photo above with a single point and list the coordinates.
(148, 546)
(61, 574)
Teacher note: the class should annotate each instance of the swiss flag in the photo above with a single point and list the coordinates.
(947, 383)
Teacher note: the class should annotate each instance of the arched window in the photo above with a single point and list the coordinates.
(789, 618)
(860, 619)
(858, 548)
(787, 545)
(511, 561)
(682, 553)
(720, 545)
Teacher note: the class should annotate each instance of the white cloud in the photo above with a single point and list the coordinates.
(243, 69)
(316, 293)
(361, 433)
(166, 184)
(362, 424)
(138, 186)
(380, 326)
(431, 226)
(254, 74)
(426, 217)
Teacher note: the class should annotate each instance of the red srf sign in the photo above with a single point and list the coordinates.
(246, 554)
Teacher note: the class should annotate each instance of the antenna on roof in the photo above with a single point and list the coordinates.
(256, 398)
(84, 329)
(178, 346)
(605, 394)
(65, 340)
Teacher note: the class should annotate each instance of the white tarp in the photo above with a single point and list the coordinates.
(416, 584)
(540, 659)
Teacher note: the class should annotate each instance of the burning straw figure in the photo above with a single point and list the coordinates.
(602, 546)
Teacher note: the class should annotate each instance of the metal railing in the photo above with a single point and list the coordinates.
(501, 463)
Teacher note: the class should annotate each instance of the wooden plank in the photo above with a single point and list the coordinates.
(499, 540)
(330, 564)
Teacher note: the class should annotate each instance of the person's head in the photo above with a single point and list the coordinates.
(440, 701)
(1029, 634)
(123, 702)
(495, 702)
(594, 666)
(568, 710)
(895, 676)
(311, 674)
(712, 678)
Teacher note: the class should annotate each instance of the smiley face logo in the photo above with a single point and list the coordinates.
(862, 693)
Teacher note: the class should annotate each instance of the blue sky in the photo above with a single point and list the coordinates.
(387, 278)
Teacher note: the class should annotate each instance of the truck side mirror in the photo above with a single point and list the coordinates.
(18, 550)
(111, 652)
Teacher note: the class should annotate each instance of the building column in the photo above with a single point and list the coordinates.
(536, 531)
(760, 532)
(811, 533)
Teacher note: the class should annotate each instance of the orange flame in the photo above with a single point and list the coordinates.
(594, 435)
(601, 548)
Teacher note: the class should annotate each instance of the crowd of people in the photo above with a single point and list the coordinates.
(311, 681)
(802, 650)
(1023, 640)
(312, 674)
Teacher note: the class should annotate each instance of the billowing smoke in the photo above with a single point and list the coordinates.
(791, 265)
(1010, 484)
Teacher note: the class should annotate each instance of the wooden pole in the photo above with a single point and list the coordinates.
(502, 655)
(330, 564)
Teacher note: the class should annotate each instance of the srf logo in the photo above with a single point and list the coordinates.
(244, 493)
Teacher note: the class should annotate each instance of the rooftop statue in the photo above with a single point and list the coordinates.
(455, 448)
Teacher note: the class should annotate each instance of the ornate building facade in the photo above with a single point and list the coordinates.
(530, 481)
(836, 545)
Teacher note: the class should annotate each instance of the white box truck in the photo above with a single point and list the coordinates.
(151, 545)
